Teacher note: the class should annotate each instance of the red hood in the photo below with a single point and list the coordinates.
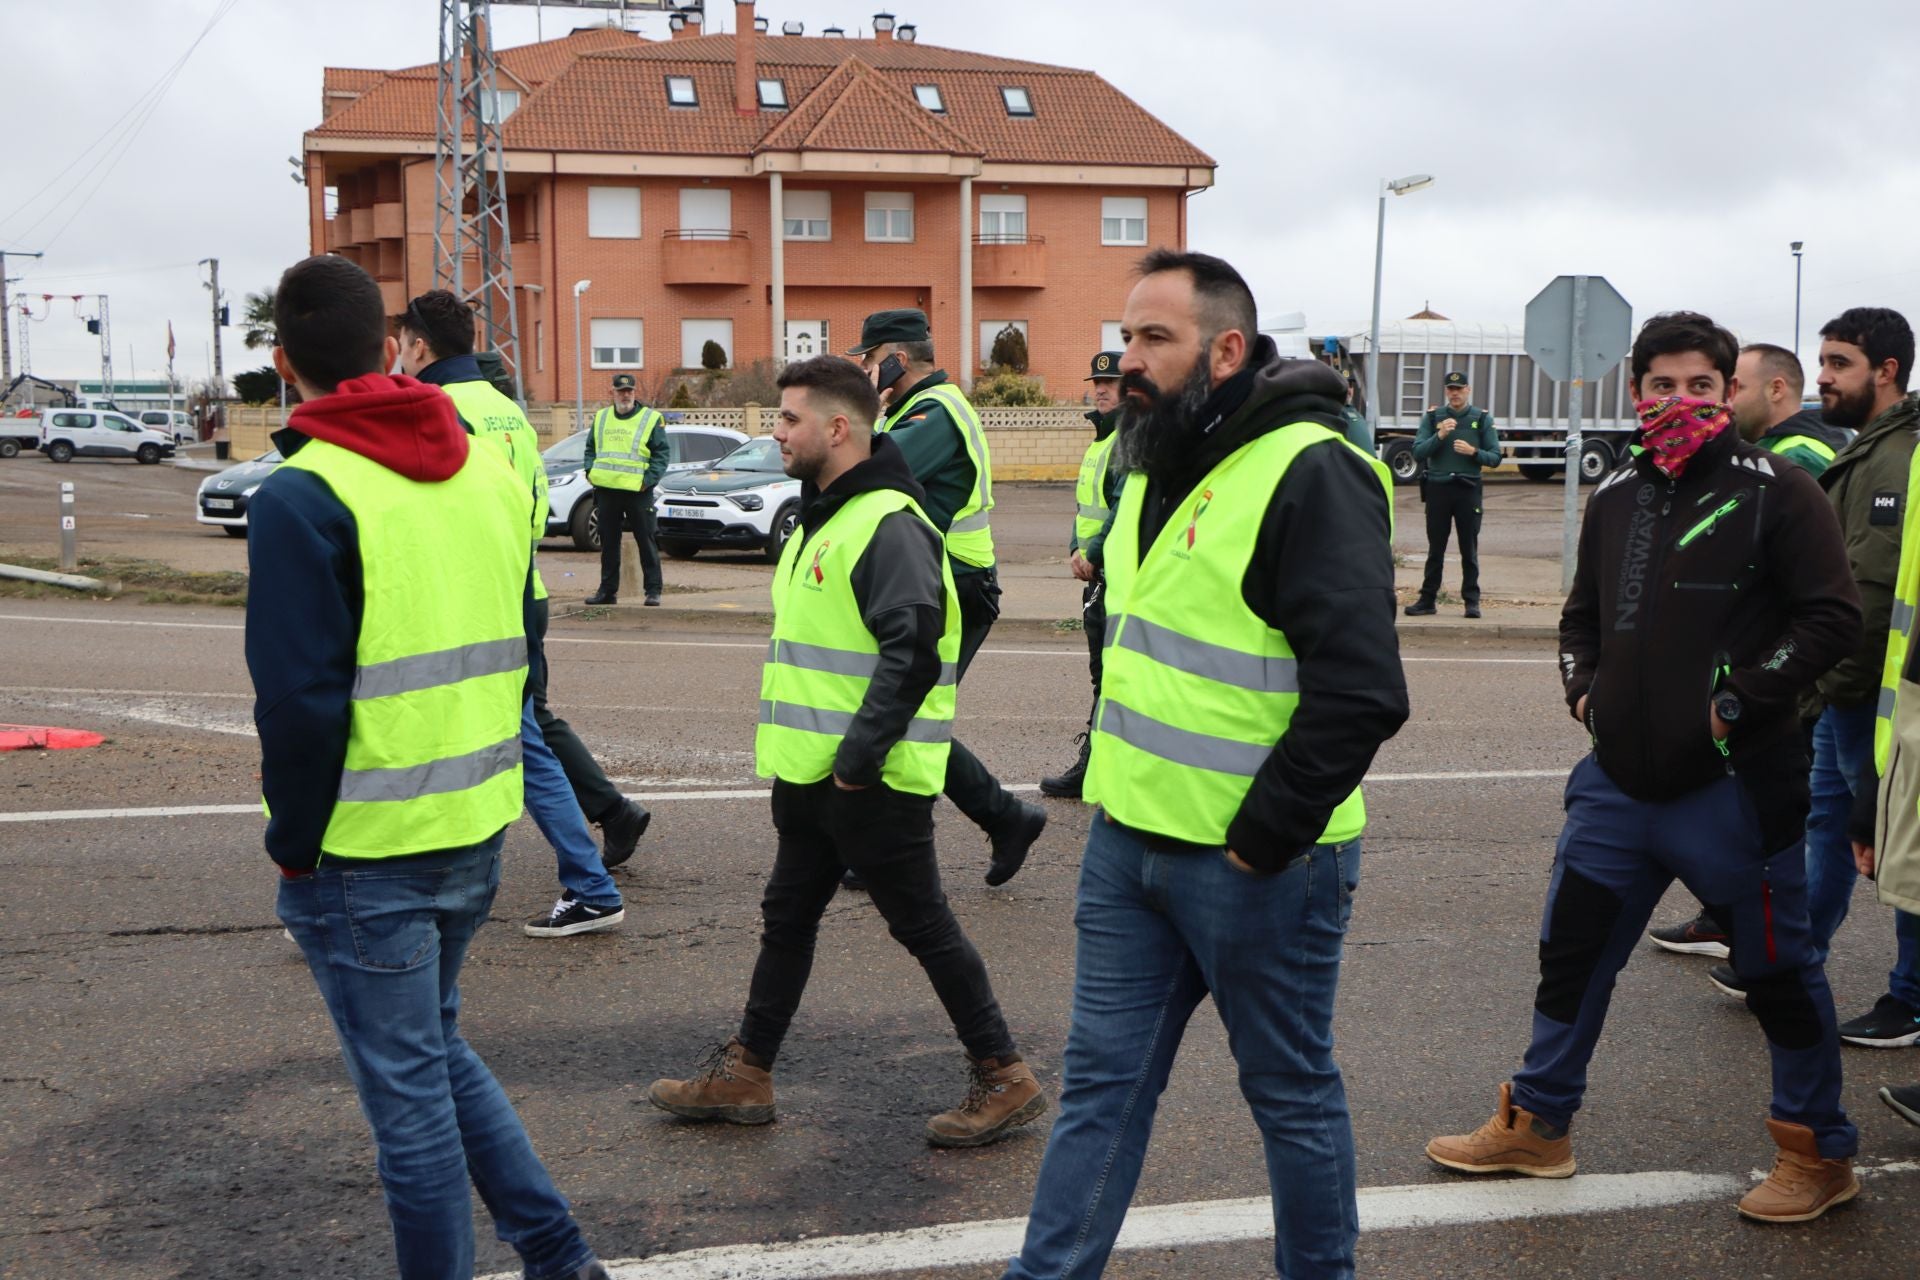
(405, 426)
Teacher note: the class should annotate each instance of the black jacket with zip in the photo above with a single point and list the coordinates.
(1732, 577)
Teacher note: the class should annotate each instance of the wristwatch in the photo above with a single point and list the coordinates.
(1726, 705)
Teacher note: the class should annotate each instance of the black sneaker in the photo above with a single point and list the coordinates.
(1011, 843)
(569, 917)
(1473, 611)
(1905, 1099)
(1067, 784)
(1421, 609)
(652, 600)
(602, 597)
(1893, 1024)
(621, 832)
(1727, 981)
(1699, 936)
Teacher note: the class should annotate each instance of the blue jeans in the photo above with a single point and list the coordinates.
(385, 941)
(1616, 857)
(1157, 933)
(556, 812)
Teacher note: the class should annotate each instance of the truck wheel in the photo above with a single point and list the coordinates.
(148, 454)
(1596, 459)
(783, 526)
(1540, 471)
(583, 526)
(60, 451)
(9, 447)
(1398, 455)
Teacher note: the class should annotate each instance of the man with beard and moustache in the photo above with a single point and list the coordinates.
(1710, 592)
(939, 434)
(1095, 493)
(1765, 400)
(1251, 672)
(1866, 359)
(856, 711)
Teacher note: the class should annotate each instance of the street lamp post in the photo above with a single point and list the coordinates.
(1795, 246)
(579, 358)
(1398, 187)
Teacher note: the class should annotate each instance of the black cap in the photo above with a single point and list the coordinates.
(883, 327)
(1456, 380)
(1105, 365)
(623, 382)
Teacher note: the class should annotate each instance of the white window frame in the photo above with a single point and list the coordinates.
(1122, 210)
(893, 204)
(1111, 339)
(608, 218)
(617, 350)
(692, 98)
(1004, 210)
(497, 107)
(691, 340)
(1008, 93)
(990, 329)
(812, 210)
(930, 98)
(768, 101)
(714, 195)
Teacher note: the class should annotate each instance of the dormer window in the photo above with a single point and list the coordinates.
(1018, 103)
(773, 95)
(680, 92)
(928, 96)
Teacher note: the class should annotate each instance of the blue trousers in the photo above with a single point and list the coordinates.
(1616, 857)
(556, 812)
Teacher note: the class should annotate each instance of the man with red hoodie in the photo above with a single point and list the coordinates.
(388, 633)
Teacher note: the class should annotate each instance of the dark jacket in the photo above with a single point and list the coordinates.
(1867, 485)
(930, 442)
(1731, 577)
(659, 447)
(305, 594)
(1322, 571)
(1095, 550)
(902, 598)
(1807, 422)
(1470, 424)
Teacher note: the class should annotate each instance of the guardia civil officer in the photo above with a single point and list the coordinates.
(937, 430)
(628, 450)
(856, 711)
(1095, 493)
(1456, 442)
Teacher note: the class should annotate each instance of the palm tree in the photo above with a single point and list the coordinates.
(256, 322)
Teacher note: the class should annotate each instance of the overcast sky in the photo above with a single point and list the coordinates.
(1674, 146)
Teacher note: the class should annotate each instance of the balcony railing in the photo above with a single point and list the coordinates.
(1009, 260)
(698, 255)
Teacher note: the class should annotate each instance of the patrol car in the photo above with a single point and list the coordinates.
(745, 502)
(570, 512)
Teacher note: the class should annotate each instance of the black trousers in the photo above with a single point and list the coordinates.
(887, 836)
(599, 798)
(620, 510)
(1452, 505)
(973, 790)
(1093, 620)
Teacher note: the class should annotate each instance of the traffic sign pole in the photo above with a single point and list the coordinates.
(1570, 522)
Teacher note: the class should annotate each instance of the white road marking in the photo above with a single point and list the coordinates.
(124, 622)
(959, 1244)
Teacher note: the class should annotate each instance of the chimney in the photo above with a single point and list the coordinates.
(746, 35)
(686, 23)
(883, 26)
(832, 33)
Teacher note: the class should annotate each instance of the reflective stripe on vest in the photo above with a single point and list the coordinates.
(1817, 447)
(1906, 594)
(495, 418)
(822, 658)
(433, 744)
(620, 449)
(1090, 490)
(1197, 689)
(969, 538)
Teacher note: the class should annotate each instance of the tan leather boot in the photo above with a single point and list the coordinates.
(1802, 1186)
(1506, 1144)
(1000, 1097)
(726, 1088)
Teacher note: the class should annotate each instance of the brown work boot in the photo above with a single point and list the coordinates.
(1802, 1186)
(727, 1088)
(1506, 1144)
(1001, 1095)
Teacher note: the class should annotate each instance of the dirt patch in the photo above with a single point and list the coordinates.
(127, 578)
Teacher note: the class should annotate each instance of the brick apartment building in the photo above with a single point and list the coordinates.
(767, 191)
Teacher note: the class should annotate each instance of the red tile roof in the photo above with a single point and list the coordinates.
(855, 109)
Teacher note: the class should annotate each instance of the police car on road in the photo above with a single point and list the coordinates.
(570, 512)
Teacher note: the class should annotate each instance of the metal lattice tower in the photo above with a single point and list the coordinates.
(24, 342)
(472, 243)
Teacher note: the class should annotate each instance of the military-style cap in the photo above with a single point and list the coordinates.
(1456, 380)
(883, 327)
(1105, 365)
(623, 382)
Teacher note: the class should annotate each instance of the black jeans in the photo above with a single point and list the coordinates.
(622, 509)
(973, 790)
(599, 798)
(887, 836)
(1452, 505)
(1093, 620)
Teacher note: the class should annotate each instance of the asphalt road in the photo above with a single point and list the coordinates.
(174, 1104)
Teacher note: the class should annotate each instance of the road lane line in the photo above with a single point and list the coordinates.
(123, 622)
(959, 1244)
(650, 797)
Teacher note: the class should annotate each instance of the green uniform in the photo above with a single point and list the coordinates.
(946, 447)
(1470, 424)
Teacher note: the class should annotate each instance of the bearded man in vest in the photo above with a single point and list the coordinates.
(436, 346)
(388, 626)
(939, 434)
(856, 711)
(1094, 494)
(1251, 672)
(627, 452)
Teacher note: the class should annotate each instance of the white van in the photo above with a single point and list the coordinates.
(94, 433)
(177, 423)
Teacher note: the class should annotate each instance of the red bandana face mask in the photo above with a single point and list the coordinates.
(1673, 428)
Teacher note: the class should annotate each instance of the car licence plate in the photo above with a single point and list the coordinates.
(219, 504)
(684, 513)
